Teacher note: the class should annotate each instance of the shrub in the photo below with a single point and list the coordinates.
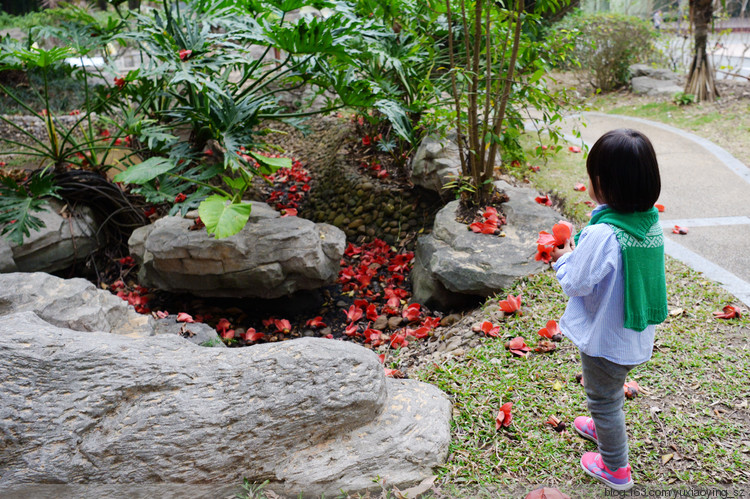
(607, 44)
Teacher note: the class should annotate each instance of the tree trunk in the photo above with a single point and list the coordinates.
(134, 4)
(701, 78)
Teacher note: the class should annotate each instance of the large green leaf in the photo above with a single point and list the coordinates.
(146, 171)
(271, 165)
(398, 118)
(222, 218)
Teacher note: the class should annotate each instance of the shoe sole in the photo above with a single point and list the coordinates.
(586, 435)
(615, 486)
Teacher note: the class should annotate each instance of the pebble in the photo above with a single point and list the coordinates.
(308, 333)
(325, 331)
(449, 320)
(341, 304)
(395, 322)
(380, 323)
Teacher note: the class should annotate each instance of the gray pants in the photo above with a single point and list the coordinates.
(603, 382)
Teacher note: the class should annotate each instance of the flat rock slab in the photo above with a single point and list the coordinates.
(271, 257)
(70, 303)
(311, 416)
(453, 265)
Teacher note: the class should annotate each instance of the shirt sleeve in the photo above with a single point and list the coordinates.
(596, 255)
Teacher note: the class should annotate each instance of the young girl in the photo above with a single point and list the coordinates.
(616, 284)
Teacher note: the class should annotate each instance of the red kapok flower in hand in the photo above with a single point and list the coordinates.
(185, 54)
(545, 200)
(511, 305)
(518, 346)
(504, 417)
(562, 232)
(729, 312)
(315, 323)
(543, 253)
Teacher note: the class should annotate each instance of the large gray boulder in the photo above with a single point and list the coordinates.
(311, 416)
(647, 80)
(453, 266)
(70, 303)
(63, 241)
(271, 257)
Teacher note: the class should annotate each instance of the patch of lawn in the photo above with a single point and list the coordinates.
(693, 405)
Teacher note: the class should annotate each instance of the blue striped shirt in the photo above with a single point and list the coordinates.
(591, 275)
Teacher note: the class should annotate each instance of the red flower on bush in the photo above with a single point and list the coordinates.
(120, 82)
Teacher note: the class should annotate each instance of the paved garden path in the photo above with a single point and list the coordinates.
(704, 188)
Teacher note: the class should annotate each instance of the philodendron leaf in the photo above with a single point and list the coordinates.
(146, 171)
(271, 165)
(222, 218)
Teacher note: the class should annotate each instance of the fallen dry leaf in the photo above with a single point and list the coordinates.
(666, 458)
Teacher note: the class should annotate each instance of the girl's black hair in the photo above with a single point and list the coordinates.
(624, 172)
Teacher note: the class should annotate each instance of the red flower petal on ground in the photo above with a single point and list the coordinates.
(162, 314)
(393, 373)
(223, 325)
(228, 334)
(351, 330)
(579, 187)
(366, 141)
(185, 54)
(382, 173)
(590, 204)
(315, 322)
(534, 168)
(504, 417)
(431, 322)
(512, 304)
(551, 330)
(421, 332)
(282, 326)
(127, 261)
(372, 312)
(354, 313)
(490, 329)
(252, 335)
(184, 317)
(729, 312)
(631, 389)
(518, 346)
(545, 346)
(288, 212)
(398, 341)
(268, 322)
(180, 198)
(659, 208)
(372, 336)
(411, 313)
(575, 149)
(545, 200)
(381, 357)
(680, 230)
(489, 211)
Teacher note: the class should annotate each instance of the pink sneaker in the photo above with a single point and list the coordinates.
(620, 479)
(585, 427)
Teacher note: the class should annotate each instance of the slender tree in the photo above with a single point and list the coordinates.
(701, 80)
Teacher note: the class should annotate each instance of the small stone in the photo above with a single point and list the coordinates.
(459, 352)
(395, 322)
(380, 323)
(308, 333)
(342, 304)
(325, 331)
(449, 320)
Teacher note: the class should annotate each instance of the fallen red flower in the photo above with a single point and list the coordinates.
(127, 261)
(353, 314)
(729, 312)
(551, 330)
(545, 200)
(518, 346)
(679, 230)
(351, 330)
(185, 54)
(398, 341)
(282, 326)
(372, 312)
(575, 149)
(315, 322)
(162, 314)
(366, 141)
(411, 313)
(180, 198)
(579, 187)
(511, 305)
(252, 335)
(490, 329)
(631, 389)
(534, 168)
(288, 212)
(223, 325)
(420, 332)
(504, 417)
(659, 208)
(228, 334)
(184, 317)
(431, 322)
(393, 373)
(545, 346)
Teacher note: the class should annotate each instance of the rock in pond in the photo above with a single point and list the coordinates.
(311, 416)
(272, 256)
(454, 266)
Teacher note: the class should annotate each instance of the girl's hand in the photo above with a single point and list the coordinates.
(567, 248)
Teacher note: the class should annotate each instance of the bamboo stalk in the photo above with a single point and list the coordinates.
(456, 96)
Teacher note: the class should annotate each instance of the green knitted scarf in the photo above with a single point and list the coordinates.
(641, 242)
